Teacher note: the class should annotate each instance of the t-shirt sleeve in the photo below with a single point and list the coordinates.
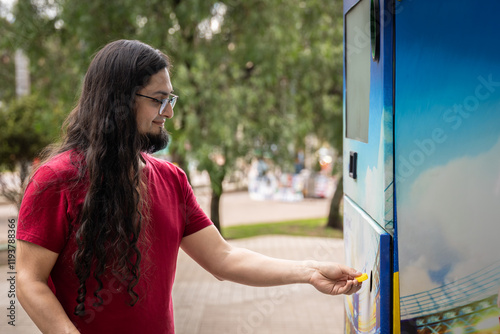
(196, 218)
(43, 213)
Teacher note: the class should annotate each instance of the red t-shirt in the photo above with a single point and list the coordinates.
(47, 220)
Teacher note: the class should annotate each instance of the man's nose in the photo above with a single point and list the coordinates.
(169, 111)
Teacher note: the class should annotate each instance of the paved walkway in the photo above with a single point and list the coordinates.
(229, 308)
(204, 305)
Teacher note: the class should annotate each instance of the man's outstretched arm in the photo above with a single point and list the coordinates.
(212, 252)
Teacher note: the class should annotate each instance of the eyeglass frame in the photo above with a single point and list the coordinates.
(171, 99)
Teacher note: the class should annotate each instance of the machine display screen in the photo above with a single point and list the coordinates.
(357, 62)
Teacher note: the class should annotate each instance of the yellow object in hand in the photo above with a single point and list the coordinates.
(362, 278)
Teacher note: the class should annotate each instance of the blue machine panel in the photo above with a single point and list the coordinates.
(447, 165)
(368, 161)
(368, 112)
(367, 248)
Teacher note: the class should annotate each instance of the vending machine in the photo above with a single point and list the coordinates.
(422, 165)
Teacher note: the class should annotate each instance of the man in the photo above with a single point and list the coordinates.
(102, 220)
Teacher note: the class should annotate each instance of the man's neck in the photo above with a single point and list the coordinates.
(142, 162)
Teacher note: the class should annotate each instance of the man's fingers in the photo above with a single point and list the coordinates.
(349, 271)
(350, 288)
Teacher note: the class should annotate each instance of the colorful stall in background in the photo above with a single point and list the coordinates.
(422, 165)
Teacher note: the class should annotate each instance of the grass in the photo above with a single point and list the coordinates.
(305, 227)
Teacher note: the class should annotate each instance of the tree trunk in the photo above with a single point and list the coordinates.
(334, 219)
(217, 174)
(24, 171)
(214, 209)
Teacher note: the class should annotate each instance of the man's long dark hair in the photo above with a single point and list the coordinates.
(102, 129)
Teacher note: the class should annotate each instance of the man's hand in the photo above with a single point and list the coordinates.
(335, 279)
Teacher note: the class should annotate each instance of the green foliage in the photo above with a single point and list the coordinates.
(27, 125)
(270, 77)
(252, 75)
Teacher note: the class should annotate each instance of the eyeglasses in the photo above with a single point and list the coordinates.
(172, 99)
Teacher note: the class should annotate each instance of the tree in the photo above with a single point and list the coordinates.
(26, 127)
(247, 102)
(322, 79)
(28, 122)
(252, 75)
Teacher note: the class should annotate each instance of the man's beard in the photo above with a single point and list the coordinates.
(152, 143)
